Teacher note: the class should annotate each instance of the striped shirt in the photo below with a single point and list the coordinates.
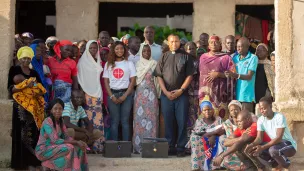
(74, 115)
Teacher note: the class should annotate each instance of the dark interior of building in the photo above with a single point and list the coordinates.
(259, 11)
(109, 12)
(31, 15)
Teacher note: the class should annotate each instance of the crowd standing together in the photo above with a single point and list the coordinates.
(69, 98)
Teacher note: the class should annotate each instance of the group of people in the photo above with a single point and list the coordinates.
(71, 97)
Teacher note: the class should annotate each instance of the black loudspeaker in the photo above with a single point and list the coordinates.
(154, 148)
(118, 149)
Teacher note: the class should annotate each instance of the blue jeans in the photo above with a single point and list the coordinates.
(120, 113)
(175, 110)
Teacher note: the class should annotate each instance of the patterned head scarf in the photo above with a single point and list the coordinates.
(59, 44)
(25, 52)
(272, 53)
(125, 39)
(261, 44)
(206, 102)
(216, 38)
(28, 35)
(235, 102)
(50, 39)
(115, 39)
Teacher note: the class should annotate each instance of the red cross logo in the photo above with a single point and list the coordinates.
(118, 73)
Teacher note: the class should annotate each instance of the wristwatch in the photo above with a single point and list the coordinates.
(182, 89)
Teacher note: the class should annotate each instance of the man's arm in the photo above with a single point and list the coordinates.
(75, 83)
(278, 139)
(243, 77)
(228, 142)
(244, 139)
(259, 148)
(89, 125)
(68, 124)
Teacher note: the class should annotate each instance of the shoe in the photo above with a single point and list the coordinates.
(181, 154)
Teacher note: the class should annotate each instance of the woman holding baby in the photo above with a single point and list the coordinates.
(24, 86)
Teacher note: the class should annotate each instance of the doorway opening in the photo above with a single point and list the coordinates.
(37, 17)
(116, 17)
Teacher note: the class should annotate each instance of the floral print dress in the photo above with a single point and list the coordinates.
(54, 153)
(193, 99)
(146, 111)
(93, 109)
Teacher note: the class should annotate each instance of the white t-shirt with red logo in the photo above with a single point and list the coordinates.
(119, 76)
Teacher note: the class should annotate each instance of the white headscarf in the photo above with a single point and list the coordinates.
(143, 66)
(89, 72)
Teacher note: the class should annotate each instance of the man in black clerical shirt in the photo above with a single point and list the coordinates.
(174, 72)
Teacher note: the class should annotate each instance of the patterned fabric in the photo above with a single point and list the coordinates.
(270, 75)
(94, 111)
(38, 67)
(26, 98)
(193, 99)
(57, 155)
(62, 90)
(198, 155)
(221, 90)
(146, 111)
(231, 162)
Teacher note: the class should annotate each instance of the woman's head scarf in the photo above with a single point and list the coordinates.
(261, 44)
(235, 102)
(28, 35)
(25, 52)
(59, 44)
(206, 102)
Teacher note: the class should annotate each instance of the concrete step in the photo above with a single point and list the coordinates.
(136, 163)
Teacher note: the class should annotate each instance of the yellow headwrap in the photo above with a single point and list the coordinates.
(25, 52)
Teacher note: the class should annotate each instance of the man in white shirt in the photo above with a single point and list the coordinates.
(134, 45)
(149, 40)
(281, 146)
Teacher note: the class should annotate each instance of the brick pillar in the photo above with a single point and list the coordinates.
(213, 17)
(7, 31)
(77, 19)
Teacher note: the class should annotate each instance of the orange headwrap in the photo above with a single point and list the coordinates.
(59, 44)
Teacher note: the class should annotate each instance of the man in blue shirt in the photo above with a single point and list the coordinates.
(246, 65)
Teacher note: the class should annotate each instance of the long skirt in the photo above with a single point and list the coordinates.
(146, 112)
(25, 136)
(65, 157)
(94, 111)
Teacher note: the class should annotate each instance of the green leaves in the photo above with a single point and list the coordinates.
(161, 33)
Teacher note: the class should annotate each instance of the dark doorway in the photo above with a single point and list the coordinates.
(31, 17)
(259, 11)
(109, 12)
(255, 22)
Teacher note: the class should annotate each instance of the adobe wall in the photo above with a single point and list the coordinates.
(289, 69)
(7, 27)
(77, 19)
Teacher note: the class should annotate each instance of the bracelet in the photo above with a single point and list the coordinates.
(112, 96)
(239, 76)
(221, 156)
